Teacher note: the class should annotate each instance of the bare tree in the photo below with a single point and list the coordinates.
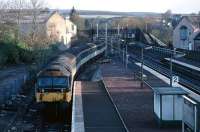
(4, 6)
(11, 12)
(36, 6)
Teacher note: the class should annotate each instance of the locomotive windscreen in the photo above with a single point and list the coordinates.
(60, 82)
(45, 82)
(55, 82)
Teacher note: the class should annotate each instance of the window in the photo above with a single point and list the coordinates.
(72, 27)
(62, 39)
(183, 33)
(60, 82)
(56, 82)
(45, 82)
(197, 42)
(67, 31)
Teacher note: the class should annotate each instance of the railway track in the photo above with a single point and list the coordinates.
(193, 84)
(30, 117)
(156, 65)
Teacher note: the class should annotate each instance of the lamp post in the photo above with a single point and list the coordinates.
(142, 63)
(92, 33)
(174, 55)
(118, 30)
(171, 69)
(97, 31)
(106, 39)
(122, 41)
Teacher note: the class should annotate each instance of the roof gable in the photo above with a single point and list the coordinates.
(27, 17)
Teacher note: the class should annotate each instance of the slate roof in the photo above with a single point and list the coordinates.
(195, 20)
(26, 16)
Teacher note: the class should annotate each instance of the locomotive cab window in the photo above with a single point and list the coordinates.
(60, 82)
(44, 82)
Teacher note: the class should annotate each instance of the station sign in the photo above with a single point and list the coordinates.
(190, 122)
(175, 80)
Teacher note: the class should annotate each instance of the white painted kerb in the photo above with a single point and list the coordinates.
(167, 80)
(77, 109)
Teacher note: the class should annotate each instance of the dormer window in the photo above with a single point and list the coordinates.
(183, 33)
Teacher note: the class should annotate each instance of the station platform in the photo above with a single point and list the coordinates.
(135, 104)
(93, 110)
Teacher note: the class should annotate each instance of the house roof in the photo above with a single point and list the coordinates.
(197, 37)
(194, 19)
(169, 91)
(26, 16)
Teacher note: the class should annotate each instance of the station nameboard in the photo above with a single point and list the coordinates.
(175, 80)
(190, 120)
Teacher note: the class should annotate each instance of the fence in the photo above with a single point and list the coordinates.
(193, 55)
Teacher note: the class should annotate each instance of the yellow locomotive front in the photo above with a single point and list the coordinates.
(53, 85)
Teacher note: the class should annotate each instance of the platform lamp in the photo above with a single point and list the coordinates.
(142, 62)
(106, 39)
(174, 54)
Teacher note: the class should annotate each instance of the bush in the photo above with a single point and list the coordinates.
(3, 58)
(9, 53)
(14, 52)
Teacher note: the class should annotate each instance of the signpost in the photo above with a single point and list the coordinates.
(175, 80)
(190, 122)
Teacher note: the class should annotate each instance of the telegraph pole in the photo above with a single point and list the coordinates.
(118, 30)
(142, 65)
(97, 30)
(92, 34)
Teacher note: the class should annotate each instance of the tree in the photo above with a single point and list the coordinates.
(36, 7)
(167, 16)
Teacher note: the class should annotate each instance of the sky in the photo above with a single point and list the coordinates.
(177, 6)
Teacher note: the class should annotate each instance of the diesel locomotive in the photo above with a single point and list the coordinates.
(55, 82)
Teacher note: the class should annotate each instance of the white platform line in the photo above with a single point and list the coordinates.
(184, 64)
(77, 109)
(167, 80)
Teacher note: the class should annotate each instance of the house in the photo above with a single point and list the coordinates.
(71, 30)
(186, 34)
(45, 24)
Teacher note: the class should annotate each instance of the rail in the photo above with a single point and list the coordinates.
(164, 71)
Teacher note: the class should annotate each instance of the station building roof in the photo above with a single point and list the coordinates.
(169, 91)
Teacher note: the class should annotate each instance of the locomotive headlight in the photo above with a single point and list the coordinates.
(62, 90)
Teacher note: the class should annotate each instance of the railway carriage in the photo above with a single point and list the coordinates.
(55, 82)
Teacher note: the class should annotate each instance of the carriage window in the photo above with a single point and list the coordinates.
(44, 82)
(60, 82)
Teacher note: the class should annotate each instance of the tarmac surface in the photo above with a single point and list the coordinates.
(135, 104)
(99, 111)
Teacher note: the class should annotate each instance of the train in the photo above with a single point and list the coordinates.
(55, 82)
